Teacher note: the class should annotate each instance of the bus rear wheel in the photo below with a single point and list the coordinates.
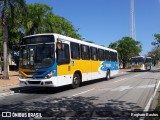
(76, 80)
(108, 75)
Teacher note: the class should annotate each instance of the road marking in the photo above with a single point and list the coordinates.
(82, 92)
(122, 88)
(150, 100)
(147, 86)
(120, 80)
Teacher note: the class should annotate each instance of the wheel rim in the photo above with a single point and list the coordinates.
(75, 80)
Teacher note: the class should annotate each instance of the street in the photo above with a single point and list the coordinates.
(130, 91)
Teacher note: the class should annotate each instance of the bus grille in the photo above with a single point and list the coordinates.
(34, 82)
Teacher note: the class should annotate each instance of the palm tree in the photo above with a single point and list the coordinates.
(8, 9)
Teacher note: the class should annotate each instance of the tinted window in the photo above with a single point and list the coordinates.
(101, 54)
(63, 56)
(75, 51)
(113, 56)
(107, 55)
(94, 55)
(85, 52)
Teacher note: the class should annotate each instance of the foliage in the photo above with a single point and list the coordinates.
(127, 48)
(40, 19)
(31, 19)
(155, 54)
(157, 40)
(1, 41)
(8, 10)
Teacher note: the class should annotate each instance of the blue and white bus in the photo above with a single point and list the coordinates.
(52, 60)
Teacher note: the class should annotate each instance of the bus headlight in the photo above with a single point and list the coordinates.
(50, 74)
(21, 76)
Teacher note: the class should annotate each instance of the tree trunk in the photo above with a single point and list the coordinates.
(124, 65)
(5, 39)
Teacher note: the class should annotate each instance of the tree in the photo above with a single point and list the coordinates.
(62, 26)
(155, 54)
(40, 19)
(157, 40)
(8, 9)
(127, 48)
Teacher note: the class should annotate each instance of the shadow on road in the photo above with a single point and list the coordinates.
(74, 107)
(155, 71)
(52, 90)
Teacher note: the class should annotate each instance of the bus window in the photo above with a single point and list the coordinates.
(63, 56)
(75, 51)
(94, 55)
(115, 57)
(85, 52)
(107, 55)
(112, 56)
(101, 54)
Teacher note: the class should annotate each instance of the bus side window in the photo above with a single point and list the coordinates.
(75, 51)
(63, 56)
(85, 52)
(94, 55)
(115, 55)
(112, 56)
(107, 54)
(101, 54)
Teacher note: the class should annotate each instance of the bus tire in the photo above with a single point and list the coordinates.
(108, 75)
(76, 80)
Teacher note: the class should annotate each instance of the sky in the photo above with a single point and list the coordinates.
(106, 21)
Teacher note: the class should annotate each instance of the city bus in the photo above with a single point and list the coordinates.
(141, 63)
(52, 60)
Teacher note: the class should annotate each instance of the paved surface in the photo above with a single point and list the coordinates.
(6, 85)
(120, 96)
(12, 84)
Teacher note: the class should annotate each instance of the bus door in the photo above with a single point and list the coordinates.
(63, 64)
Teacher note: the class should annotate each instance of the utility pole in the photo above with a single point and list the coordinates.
(132, 21)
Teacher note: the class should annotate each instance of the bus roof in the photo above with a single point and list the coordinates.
(62, 37)
(138, 57)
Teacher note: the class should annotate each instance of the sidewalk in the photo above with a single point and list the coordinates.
(6, 85)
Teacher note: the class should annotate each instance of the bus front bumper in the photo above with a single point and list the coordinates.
(37, 82)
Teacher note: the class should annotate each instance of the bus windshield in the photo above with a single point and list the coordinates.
(37, 55)
(148, 60)
(137, 61)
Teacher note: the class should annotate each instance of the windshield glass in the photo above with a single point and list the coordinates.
(137, 61)
(148, 60)
(37, 56)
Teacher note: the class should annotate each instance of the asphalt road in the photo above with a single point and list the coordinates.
(124, 96)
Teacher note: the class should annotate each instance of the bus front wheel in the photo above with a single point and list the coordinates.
(76, 80)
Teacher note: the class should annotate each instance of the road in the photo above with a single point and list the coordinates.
(117, 97)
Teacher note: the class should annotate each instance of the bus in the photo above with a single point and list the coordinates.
(52, 60)
(141, 63)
